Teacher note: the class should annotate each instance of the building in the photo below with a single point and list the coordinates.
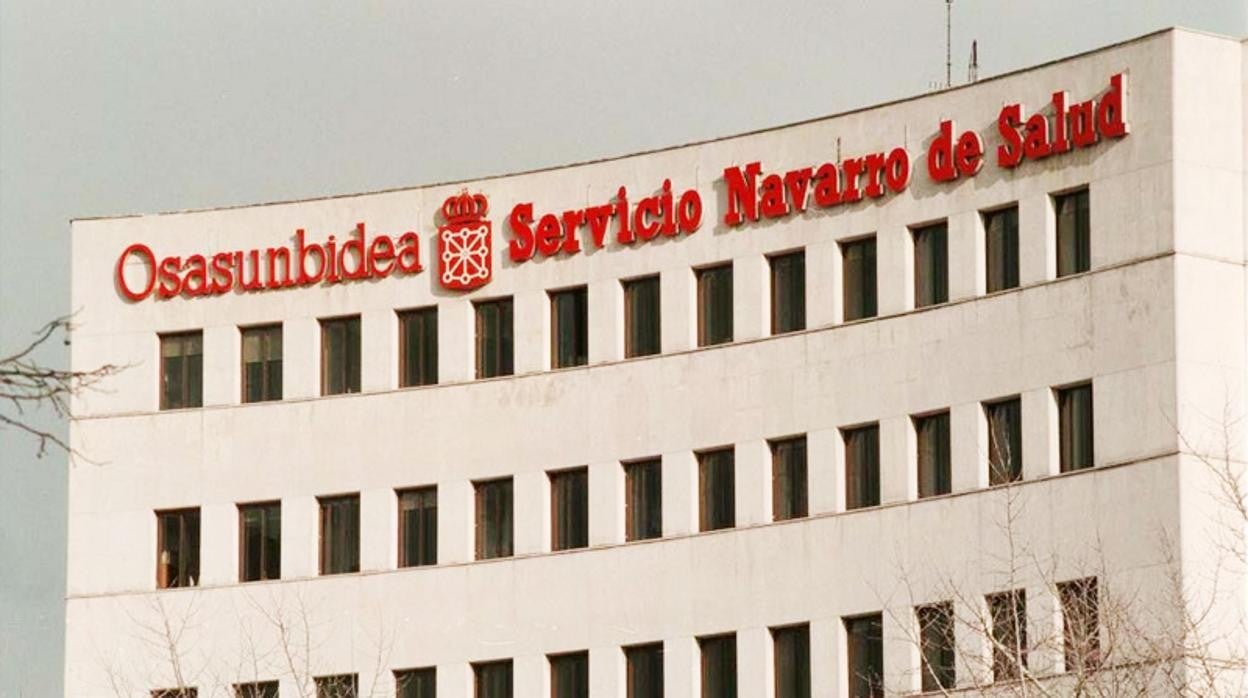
(781, 414)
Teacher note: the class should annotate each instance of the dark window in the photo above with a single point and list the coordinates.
(175, 693)
(936, 646)
(1074, 411)
(262, 363)
(643, 500)
(865, 653)
(714, 305)
(416, 683)
(858, 271)
(1074, 233)
(716, 490)
(492, 679)
(935, 470)
(177, 548)
(931, 265)
(494, 338)
(1008, 613)
(1001, 248)
(719, 666)
(494, 519)
(181, 370)
(259, 689)
(569, 675)
(1005, 441)
(644, 669)
(788, 292)
(862, 466)
(569, 328)
(642, 318)
(418, 527)
(418, 347)
(569, 509)
(340, 355)
(260, 539)
(788, 478)
(792, 656)
(341, 686)
(340, 534)
(1081, 624)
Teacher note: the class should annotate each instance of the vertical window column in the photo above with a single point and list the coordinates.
(260, 541)
(569, 327)
(788, 292)
(418, 347)
(181, 370)
(418, 527)
(494, 338)
(859, 292)
(1075, 426)
(716, 489)
(340, 534)
(177, 548)
(569, 509)
(931, 264)
(864, 654)
(262, 363)
(494, 520)
(643, 499)
(340, 355)
(1074, 232)
(643, 326)
(862, 466)
(715, 304)
(934, 458)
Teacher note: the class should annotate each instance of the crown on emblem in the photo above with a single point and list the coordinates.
(464, 207)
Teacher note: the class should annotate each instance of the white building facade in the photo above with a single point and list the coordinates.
(827, 469)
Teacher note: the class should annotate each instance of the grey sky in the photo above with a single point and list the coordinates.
(126, 107)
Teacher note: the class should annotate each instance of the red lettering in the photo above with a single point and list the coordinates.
(742, 196)
(379, 253)
(571, 221)
(940, 155)
(797, 182)
(149, 260)
(548, 232)
(1010, 152)
(409, 253)
(970, 154)
(896, 170)
(521, 246)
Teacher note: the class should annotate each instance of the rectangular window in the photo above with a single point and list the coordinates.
(1081, 624)
(260, 689)
(418, 527)
(792, 657)
(858, 278)
(1074, 233)
(788, 292)
(714, 304)
(643, 500)
(1005, 441)
(865, 654)
(862, 466)
(644, 669)
(492, 679)
(1008, 613)
(935, 468)
(569, 509)
(340, 534)
(788, 478)
(936, 646)
(494, 519)
(569, 675)
(177, 548)
(262, 363)
(416, 683)
(1074, 412)
(418, 347)
(340, 686)
(569, 328)
(1001, 248)
(340, 355)
(181, 370)
(719, 666)
(260, 541)
(175, 693)
(642, 319)
(716, 490)
(931, 264)
(494, 338)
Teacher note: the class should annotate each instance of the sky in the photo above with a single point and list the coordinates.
(137, 107)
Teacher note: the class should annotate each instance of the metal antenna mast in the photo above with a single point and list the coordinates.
(948, 43)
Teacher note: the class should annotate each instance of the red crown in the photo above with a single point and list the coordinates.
(465, 208)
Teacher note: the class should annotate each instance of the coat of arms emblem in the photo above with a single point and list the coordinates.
(464, 249)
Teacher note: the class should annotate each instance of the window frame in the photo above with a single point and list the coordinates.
(995, 475)
(704, 660)
(188, 380)
(875, 650)
(1091, 641)
(331, 686)
(941, 677)
(265, 332)
(264, 505)
(941, 482)
(802, 689)
(628, 287)
(479, 530)
(579, 657)
(579, 338)
(425, 315)
(707, 519)
(869, 305)
(633, 529)
(703, 303)
(257, 689)
(1004, 667)
(775, 291)
(352, 381)
(505, 354)
(799, 502)
(322, 542)
(939, 284)
(1082, 262)
(402, 558)
(1066, 446)
(1010, 263)
(561, 539)
(402, 677)
(631, 653)
(478, 668)
(192, 566)
(869, 493)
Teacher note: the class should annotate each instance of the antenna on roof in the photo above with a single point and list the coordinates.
(948, 46)
(972, 71)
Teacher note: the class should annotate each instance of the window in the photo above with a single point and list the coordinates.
(1081, 624)
(181, 370)
(340, 534)
(1074, 233)
(416, 683)
(719, 666)
(1005, 441)
(931, 265)
(340, 686)
(862, 466)
(494, 338)
(792, 657)
(716, 490)
(644, 671)
(1008, 613)
(714, 305)
(642, 327)
(643, 500)
(1001, 248)
(788, 478)
(260, 541)
(865, 653)
(262, 363)
(494, 519)
(260, 689)
(492, 679)
(418, 527)
(569, 328)
(1074, 412)
(936, 646)
(569, 675)
(935, 471)
(788, 292)
(175, 693)
(418, 347)
(858, 278)
(177, 548)
(340, 355)
(569, 509)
